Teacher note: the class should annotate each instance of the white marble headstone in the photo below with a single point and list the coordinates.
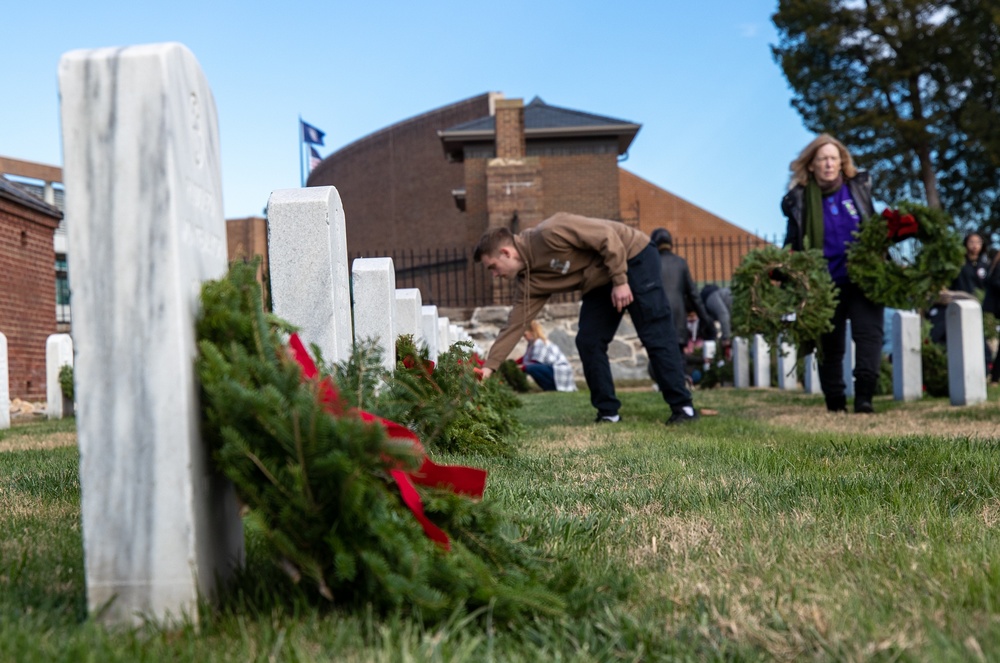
(408, 304)
(788, 378)
(58, 353)
(741, 363)
(444, 334)
(375, 305)
(428, 325)
(850, 350)
(143, 192)
(966, 353)
(307, 255)
(811, 377)
(4, 385)
(907, 361)
(761, 353)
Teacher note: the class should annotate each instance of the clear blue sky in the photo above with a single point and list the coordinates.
(717, 127)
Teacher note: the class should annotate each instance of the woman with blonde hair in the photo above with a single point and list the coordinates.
(545, 362)
(828, 199)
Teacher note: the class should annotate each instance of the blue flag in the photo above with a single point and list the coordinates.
(311, 134)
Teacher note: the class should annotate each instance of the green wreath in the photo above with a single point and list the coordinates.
(900, 276)
(782, 294)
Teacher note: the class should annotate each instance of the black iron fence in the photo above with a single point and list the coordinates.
(449, 277)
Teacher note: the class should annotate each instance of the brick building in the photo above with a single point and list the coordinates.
(504, 163)
(27, 286)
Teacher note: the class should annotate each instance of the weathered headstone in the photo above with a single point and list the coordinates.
(375, 305)
(428, 323)
(444, 334)
(143, 190)
(966, 353)
(907, 363)
(761, 353)
(788, 378)
(811, 377)
(741, 363)
(849, 353)
(408, 321)
(310, 281)
(4, 385)
(58, 353)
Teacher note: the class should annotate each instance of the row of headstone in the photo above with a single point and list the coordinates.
(966, 358)
(312, 288)
(58, 353)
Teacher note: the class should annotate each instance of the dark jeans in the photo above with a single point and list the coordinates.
(866, 329)
(995, 372)
(543, 375)
(650, 314)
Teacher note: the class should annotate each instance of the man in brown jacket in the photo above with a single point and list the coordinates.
(617, 269)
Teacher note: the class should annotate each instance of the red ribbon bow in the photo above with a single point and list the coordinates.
(470, 481)
(900, 227)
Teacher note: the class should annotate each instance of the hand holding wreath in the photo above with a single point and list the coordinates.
(780, 293)
(909, 279)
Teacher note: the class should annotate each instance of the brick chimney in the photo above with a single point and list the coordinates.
(510, 129)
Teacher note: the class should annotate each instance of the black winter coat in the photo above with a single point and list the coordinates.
(793, 207)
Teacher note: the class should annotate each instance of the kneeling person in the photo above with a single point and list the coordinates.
(545, 362)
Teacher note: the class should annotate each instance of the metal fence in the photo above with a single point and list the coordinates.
(449, 277)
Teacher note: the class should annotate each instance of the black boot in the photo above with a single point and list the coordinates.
(863, 395)
(836, 403)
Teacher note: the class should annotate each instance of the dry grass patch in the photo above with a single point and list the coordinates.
(36, 442)
(926, 420)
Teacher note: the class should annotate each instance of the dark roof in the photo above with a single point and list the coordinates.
(11, 191)
(544, 121)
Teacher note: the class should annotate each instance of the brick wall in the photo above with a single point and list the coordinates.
(585, 184)
(245, 239)
(510, 141)
(27, 294)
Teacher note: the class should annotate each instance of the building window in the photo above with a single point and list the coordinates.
(62, 290)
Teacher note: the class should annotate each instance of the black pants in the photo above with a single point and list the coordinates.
(866, 329)
(650, 314)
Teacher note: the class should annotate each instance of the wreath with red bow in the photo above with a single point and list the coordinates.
(344, 501)
(904, 257)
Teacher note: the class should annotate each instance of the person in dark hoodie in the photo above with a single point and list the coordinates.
(618, 269)
(678, 285)
(828, 200)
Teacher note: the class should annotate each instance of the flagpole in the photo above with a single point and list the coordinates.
(302, 172)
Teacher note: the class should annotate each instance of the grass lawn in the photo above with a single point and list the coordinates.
(772, 531)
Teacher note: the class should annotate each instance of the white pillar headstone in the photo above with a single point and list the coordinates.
(444, 335)
(907, 362)
(966, 353)
(408, 304)
(141, 170)
(307, 254)
(741, 363)
(428, 323)
(761, 353)
(788, 378)
(849, 353)
(58, 353)
(375, 305)
(4, 385)
(812, 385)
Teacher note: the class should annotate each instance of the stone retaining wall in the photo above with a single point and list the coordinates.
(559, 321)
